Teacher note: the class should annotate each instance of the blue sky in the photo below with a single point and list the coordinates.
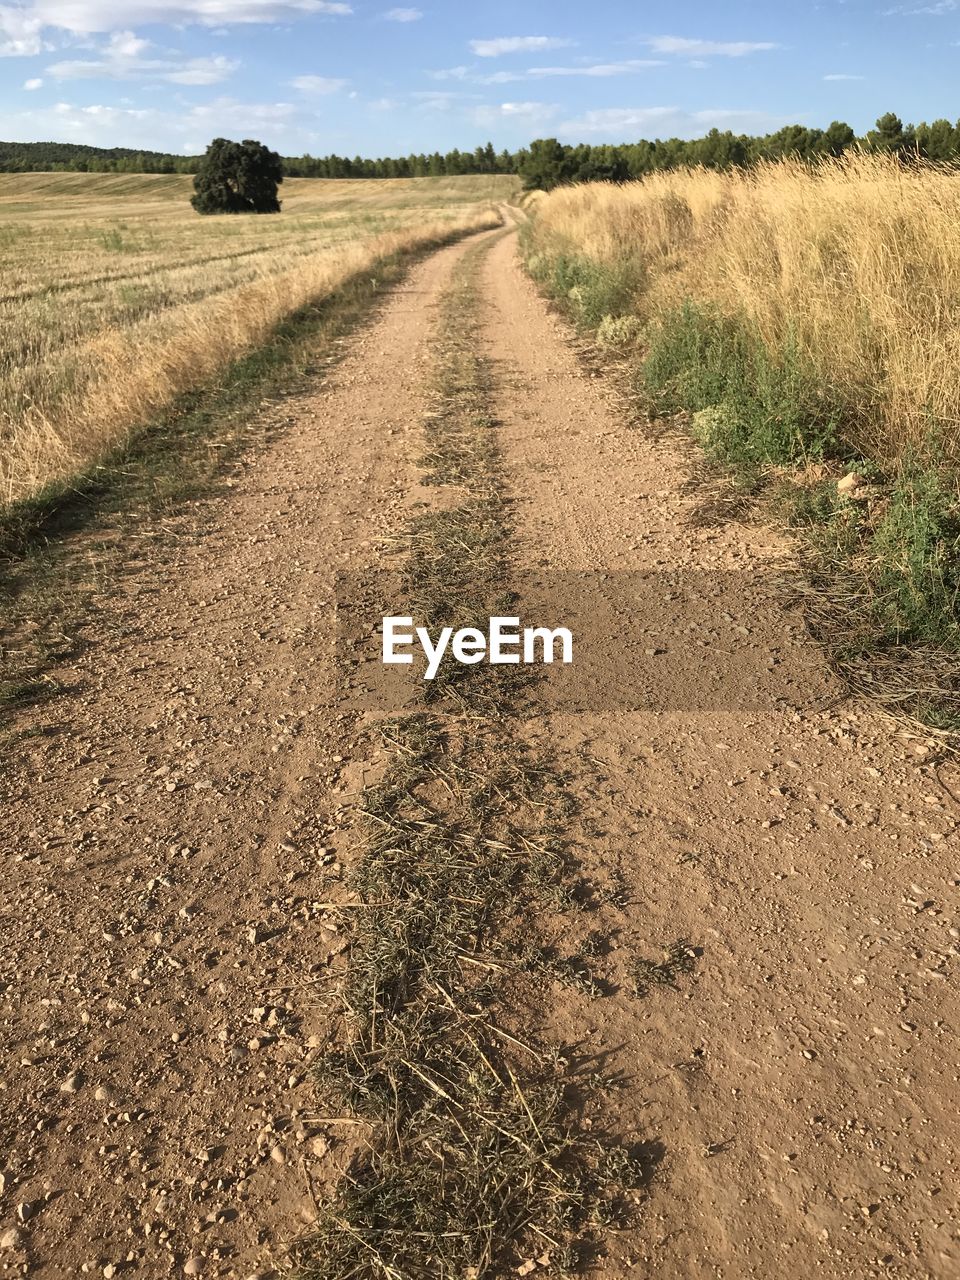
(360, 76)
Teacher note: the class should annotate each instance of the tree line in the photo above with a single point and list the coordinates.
(548, 163)
(68, 157)
(545, 163)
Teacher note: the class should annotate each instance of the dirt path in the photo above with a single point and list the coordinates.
(174, 829)
(164, 837)
(803, 1081)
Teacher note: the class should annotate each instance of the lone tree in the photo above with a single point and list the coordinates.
(238, 177)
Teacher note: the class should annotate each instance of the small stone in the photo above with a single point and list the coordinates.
(11, 1239)
(73, 1082)
(109, 1271)
(277, 1155)
(193, 1266)
(809, 1054)
(852, 480)
(24, 1211)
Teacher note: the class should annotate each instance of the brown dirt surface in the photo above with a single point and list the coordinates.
(802, 1079)
(180, 816)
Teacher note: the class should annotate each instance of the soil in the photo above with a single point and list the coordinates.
(180, 815)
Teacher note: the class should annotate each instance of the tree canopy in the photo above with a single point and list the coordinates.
(238, 177)
(548, 163)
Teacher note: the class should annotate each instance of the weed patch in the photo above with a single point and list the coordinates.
(751, 408)
(679, 958)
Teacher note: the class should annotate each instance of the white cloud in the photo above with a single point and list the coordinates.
(709, 48)
(121, 60)
(439, 101)
(517, 44)
(525, 115)
(318, 84)
(403, 15)
(198, 71)
(500, 77)
(470, 75)
(529, 110)
(36, 83)
(937, 10)
(20, 33)
(450, 73)
(844, 77)
(600, 69)
(22, 25)
(241, 115)
(127, 45)
(621, 123)
(187, 130)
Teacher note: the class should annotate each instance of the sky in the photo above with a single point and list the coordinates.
(362, 76)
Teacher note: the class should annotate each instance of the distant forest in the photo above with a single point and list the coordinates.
(545, 163)
(69, 157)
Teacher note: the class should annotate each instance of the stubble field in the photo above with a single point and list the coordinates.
(115, 297)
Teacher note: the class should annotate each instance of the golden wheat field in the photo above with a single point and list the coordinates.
(115, 296)
(855, 263)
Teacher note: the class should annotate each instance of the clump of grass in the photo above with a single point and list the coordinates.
(751, 407)
(591, 291)
(883, 584)
(679, 958)
(916, 540)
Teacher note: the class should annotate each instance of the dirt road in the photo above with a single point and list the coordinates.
(176, 825)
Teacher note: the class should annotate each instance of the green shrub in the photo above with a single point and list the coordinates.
(891, 551)
(590, 290)
(751, 406)
(916, 545)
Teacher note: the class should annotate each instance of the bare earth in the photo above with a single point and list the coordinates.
(173, 835)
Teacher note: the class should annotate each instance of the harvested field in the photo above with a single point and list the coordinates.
(116, 298)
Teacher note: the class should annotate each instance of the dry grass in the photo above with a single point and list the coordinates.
(807, 320)
(115, 297)
(855, 266)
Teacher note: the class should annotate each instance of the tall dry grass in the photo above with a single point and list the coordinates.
(855, 266)
(115, 297)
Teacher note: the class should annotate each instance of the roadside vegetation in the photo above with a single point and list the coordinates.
(115, 299)
(807, 321)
